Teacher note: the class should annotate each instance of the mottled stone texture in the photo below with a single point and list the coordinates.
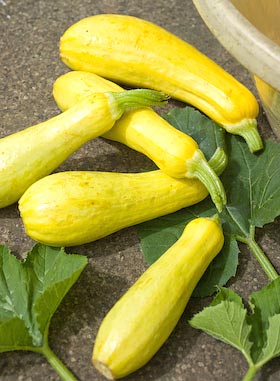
(29, 64)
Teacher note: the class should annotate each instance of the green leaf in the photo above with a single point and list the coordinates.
(252, 184)
(272, 347)
(265, 185)
(256, 335)
(30, 292)
(265, 305)
(225, 320)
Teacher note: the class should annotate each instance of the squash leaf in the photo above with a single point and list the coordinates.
(252, 185)
(226, 320)
(30, 292)
(256, 333)
(265, 305)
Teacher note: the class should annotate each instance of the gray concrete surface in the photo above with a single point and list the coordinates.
(29, 64)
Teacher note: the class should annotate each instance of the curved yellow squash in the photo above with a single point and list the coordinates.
(138, 53)
(141, 321)
(73, 208)
(143, 130)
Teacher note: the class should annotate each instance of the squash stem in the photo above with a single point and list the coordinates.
(137, 98)
(218, 161)
(199, 168)
(248, 130)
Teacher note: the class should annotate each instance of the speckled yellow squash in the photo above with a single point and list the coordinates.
(174, 152)
(141, 321)
(73, 208)
(34, 152)
(136, 52)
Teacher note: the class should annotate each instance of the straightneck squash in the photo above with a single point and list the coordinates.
(77, 207)
(137, 52)
(174, 152)
(144, 317)
(34, 152)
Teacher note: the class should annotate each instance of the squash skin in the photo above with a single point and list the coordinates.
(77, 207)
(145, 131)
(144, 317)
(136, 52)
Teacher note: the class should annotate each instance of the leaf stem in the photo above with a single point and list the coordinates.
(260, 256)
(61, 369)
(250, 374)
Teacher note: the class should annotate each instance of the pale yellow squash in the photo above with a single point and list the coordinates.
(73, 208)
(137, 52)
(143, 318)
(36, 151)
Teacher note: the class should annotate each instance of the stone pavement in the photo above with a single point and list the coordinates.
(29, 64)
